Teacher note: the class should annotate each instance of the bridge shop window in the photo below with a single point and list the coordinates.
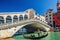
(21, 17)
(1, 20)
(25, 17)
(15, 18)
(8, 19)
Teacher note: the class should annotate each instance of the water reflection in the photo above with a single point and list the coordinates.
(8, 39)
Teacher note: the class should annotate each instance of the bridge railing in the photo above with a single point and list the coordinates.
(43, 23)
(9, 25)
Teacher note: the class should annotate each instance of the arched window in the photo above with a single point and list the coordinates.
(21, 17)
(15, 18)
(8, 19)
(1, 20)
(25, 17)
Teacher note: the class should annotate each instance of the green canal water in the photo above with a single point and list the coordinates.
(51, 36)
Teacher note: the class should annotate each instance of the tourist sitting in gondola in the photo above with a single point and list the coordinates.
(36, 35)
(32, 35)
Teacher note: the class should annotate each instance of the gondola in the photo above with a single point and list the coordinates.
(39, 37)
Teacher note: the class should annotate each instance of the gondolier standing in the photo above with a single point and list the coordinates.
(38, 33)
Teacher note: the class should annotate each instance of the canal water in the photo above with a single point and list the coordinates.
(51, 36)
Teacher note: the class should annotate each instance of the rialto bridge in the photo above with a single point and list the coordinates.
(11, 22)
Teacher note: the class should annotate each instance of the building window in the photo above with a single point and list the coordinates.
(50, 15)
(49, 12)
(50, 21)
(46, 16)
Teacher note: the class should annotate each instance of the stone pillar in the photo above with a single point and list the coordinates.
(4, 20)
(18, 18)
(23, 17)
(12, 18)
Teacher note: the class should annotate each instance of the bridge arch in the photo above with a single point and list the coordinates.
(37, 24)
(21, 17)
(15, 18)
(8, 19)
(25, 17)
(31, 27)
(1, 19)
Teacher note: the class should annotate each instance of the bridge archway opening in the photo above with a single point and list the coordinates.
(1, 19)
(15, 18)
(25, 17)
(21, 17)
(8, 19)
(30, 28)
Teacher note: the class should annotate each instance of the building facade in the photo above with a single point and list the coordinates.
(56, 17)
(53, 18)
(49, 17)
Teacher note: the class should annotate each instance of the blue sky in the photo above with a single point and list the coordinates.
(40, 6)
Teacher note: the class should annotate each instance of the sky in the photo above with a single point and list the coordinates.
(40, 6)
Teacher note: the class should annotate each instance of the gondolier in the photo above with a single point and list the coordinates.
(39, 33)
